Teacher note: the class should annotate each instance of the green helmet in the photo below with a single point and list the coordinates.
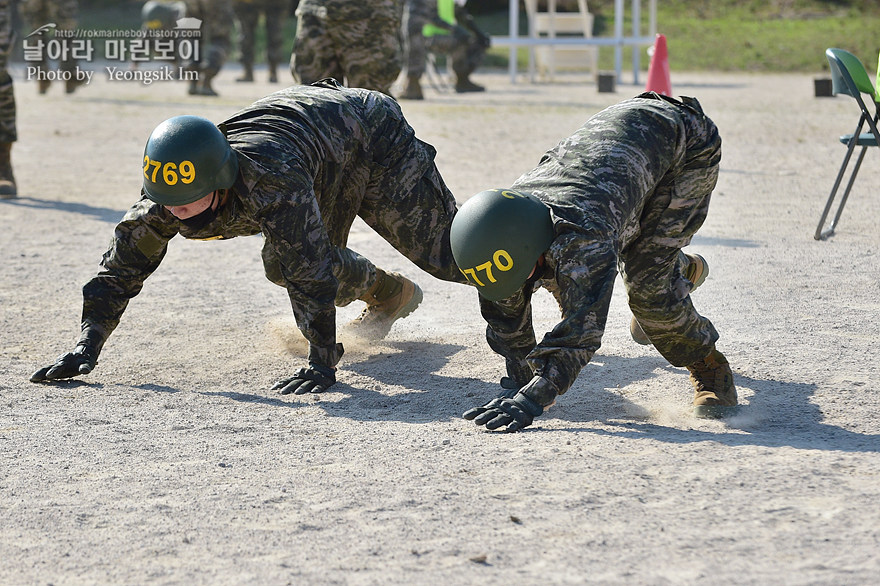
(497, 237)
(161, 15)
(185, 159)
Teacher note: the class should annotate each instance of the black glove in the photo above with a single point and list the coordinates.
(314, 379)
(81, 361)
(512, 414)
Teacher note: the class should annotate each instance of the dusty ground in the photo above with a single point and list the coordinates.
(174, 463)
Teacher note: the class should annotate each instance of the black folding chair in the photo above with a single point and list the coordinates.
(848, 76)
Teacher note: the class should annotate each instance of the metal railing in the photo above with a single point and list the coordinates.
(618, 41)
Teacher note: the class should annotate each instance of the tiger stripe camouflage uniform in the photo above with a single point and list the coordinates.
(8, 132)
(354, 42)
(218, 19)
(311, 158)
(630, 187)
(248, 14)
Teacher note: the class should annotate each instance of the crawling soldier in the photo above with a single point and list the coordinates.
(629, 188)
(296, 166)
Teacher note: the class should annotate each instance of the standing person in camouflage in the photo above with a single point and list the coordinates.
(8, 134)
(354, 42)
(217, 19)
(274, 14)
(163, 16)
(64, 14)
(629, 188)
(296, 166)
(442, 27)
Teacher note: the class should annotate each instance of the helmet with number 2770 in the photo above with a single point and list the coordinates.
(186, 158)
(497, 237)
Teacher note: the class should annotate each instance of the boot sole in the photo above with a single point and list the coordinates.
(378, 331)
(715, 411)
(701, 270)
(412, 304)
(637, 333)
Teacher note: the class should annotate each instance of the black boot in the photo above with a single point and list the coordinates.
(248, 75)
(7, 181)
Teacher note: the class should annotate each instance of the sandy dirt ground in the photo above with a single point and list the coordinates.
(173, 462)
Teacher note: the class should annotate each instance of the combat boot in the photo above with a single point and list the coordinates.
(696, 272)
(413, 89)
(7, 180)
(391, 298)
(247, 76)
(715, 394)
(273, 73)
(464, 84)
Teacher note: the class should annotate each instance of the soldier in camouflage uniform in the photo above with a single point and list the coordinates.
(64, 14)
(460, 39)
(296, 166)
(275, 15)
(217, 19)
(354, 42)
(8, 134)
(629, 188)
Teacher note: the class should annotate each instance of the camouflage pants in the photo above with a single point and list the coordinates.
(651, 265)
(353, 42)
(7, 97)
(217, 21)
(248, 13)
(417, 226)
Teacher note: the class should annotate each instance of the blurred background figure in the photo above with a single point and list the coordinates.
(8, 134)
(355, 42)
(441, 27)
(274, 14)
(217, 19)
(162, 16)
(64, 14)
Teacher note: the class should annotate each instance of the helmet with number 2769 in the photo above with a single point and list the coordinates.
(185, 159)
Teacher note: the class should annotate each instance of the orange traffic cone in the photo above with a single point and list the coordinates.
(658, 72)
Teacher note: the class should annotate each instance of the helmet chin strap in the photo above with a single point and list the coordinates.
(205, 217)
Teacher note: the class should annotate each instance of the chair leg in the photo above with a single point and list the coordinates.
(435, 78)
(823, 234)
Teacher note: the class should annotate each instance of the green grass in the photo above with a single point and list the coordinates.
(734, 35)
(702, 35)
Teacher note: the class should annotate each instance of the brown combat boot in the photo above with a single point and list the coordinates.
(413, 89)
(391, 298)
(696, 272)
(7, 180)
(715, 394)
(247, 76)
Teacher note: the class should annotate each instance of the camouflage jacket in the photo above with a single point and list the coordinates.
(596, 184)
(307, 156)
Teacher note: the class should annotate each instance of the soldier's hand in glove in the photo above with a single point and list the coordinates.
(512, 414)
(81, 361)
(314, 379)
